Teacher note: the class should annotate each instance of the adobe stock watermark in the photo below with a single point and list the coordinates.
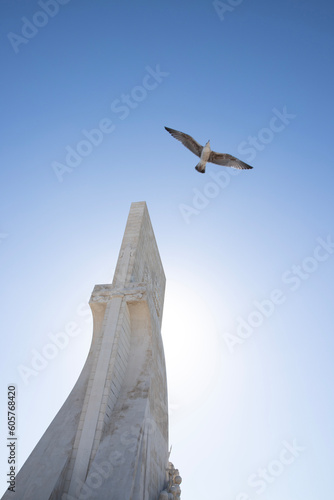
(260, 480)
(30, 27)
(3, 236)
(202, 198)
(121, 108)
(222, 8)
(40, 359)
(278, 122)
(265, 308)
(247, 149)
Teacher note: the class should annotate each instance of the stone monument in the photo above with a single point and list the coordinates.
(110, 438)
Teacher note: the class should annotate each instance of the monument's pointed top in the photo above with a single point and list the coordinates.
(139, 259)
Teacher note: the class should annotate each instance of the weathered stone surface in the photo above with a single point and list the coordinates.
(110, 438)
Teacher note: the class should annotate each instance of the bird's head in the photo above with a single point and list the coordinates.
(208, 143)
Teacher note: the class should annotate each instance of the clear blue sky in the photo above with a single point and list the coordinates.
(249, 258)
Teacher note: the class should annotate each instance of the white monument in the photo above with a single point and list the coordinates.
(109, 441)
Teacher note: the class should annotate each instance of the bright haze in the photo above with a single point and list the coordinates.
(87, 88)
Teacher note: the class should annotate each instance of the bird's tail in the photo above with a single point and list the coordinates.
(200, 167)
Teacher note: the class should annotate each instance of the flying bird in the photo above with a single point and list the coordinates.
(206, 154)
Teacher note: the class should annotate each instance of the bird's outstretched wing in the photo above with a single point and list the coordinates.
(227, 161)
(187, 141)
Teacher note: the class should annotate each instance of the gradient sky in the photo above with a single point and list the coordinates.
(249, 258)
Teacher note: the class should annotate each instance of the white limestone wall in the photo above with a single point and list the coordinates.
(133, 452)
(42, 474)
(110, 438)
(107, 374)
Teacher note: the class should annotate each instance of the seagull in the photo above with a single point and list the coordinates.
(206, 154)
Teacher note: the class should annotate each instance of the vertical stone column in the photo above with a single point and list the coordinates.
(110, 438)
